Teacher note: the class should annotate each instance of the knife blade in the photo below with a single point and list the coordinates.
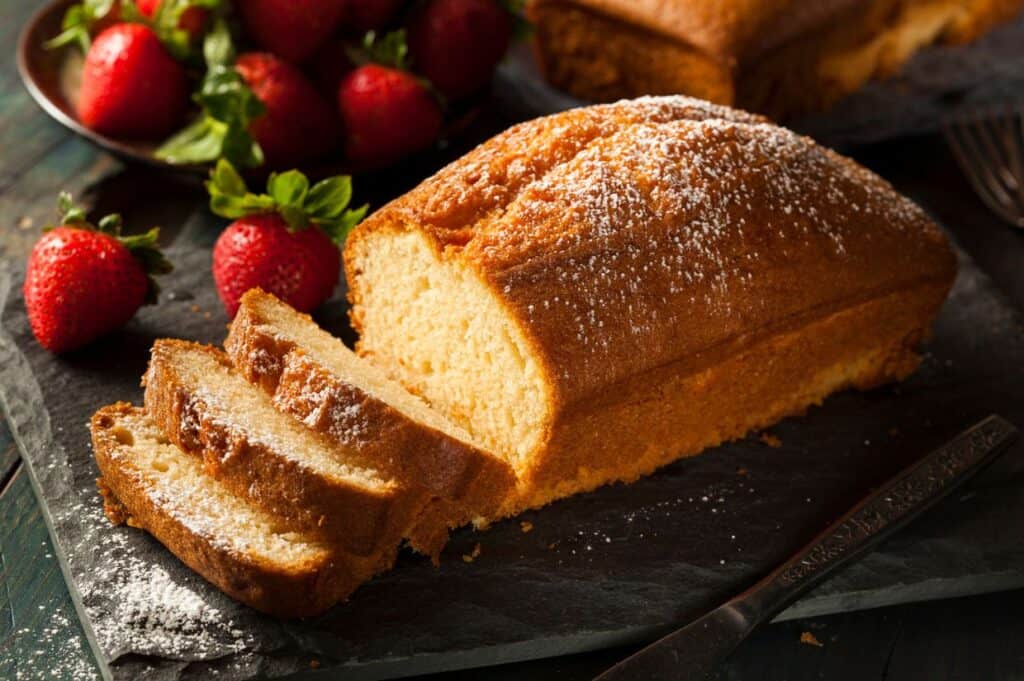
(694, 651)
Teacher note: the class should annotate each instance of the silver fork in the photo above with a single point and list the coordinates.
(989, 147)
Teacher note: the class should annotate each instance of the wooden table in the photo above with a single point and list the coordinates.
(40, 636)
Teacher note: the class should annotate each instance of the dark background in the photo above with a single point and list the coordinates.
(979, 637)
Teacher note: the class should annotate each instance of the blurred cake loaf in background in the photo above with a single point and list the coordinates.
(783, 58)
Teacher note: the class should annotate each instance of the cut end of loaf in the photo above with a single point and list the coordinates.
(296, 329)
(435, 326)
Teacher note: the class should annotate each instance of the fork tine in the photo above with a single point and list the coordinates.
(1014, 150)
(970, 170)
(989, 131)
(970, 160)
(960, 154)
(982, 164)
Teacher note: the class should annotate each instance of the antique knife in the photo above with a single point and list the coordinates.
(694, 651)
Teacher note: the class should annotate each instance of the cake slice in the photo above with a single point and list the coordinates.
(253, 556)
(315, 378)
(207, 409)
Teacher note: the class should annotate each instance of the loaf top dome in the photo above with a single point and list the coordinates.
(627, 236)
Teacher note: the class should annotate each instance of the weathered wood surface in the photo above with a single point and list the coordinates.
(40, 636)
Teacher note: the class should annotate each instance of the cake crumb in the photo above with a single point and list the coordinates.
(470, 557)
(314, 663)
(810, 639)
(526, 526)
(771, 440)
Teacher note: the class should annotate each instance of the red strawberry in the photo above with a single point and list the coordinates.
(131, 87)
(387, 114)
(370, 15)
(300, 267)
(291, 29)
(299, 124)
(192, 19)
(457, 44)
(285, 242)
(83, 282)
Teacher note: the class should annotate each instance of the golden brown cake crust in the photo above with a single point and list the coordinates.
(305, 590)
(727, 29)
(657, 239)
(410, 451)
(779, 57)
(599, 59)
(359, 521)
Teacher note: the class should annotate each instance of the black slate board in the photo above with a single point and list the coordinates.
(622, 564)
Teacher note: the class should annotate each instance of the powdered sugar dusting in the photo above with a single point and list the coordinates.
(154, 612)
(138, 606)
(668, 212)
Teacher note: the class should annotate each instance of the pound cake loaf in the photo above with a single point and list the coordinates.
(253, 556)
(779, 57)
(597, 293)
(206, 409)
(313, 377)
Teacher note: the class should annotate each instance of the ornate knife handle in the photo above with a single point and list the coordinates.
(890, 507)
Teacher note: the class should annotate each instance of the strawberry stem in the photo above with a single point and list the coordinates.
(166, 23)
(391, 49)
(323, 205)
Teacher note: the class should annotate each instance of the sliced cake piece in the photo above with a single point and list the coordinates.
(207, 409)
(315, 378)
(253, 556)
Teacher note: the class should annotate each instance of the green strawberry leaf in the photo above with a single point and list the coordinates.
(110, 224)
(227, 180)
(324, 205)
(167, 25)
(197, 143)
(328, 198)
(218, 47)
(391, 49)
(288, 189)
(230, 198)
(146, 250)
(78, 22)
(295, 217)
(228, 107)
(338, 228)
(70, 214)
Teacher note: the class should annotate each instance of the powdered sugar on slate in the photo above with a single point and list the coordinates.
(138, 607)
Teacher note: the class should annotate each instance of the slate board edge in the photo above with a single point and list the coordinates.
(10, 357)
(918, 592)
